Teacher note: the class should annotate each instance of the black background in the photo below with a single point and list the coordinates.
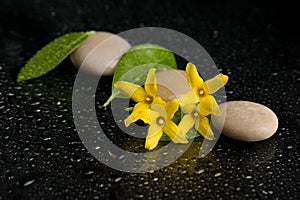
(256, 44)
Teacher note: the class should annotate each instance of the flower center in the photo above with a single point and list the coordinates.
(195, 114)
(201, 92)
(149, 99)
(160, 121)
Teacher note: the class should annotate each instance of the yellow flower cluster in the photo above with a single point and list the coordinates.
(195, 105)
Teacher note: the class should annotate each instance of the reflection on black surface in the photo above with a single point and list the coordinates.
(257, 45)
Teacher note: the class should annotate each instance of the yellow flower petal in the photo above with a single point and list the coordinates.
(135, 92)
(156, 111)
(128, 121)
(158, 100)
(216, 83)
(150, 84)
(204, 128)
(140, 111)
(154, 134)
(172, 131)
(215, 107)
(142, 116)
(186, 123)
(188, 98)
(208, 105)
(139, 107)
(205, 107)
(193, 78)
(171, 108)
(187, 108)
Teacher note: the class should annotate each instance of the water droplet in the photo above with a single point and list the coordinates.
(199, 171)
(118, 179)
(28, 183)
(264, 192)
(139, 196)
(89, 172)
(35, 103)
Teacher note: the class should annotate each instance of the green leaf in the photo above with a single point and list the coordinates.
(52, 55)
(144, 54)
(177, 116)
(192, 133)
(165, 138)
(136, 62)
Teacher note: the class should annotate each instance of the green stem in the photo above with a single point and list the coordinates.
(112, 96)
(108, 101)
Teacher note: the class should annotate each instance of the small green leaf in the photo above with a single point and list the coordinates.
(137, 61)
(165, 138)
(52, 55)
(177, 117)
(192, 133)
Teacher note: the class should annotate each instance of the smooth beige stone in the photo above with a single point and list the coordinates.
(246, 121)
(100, 53)
(171, 84)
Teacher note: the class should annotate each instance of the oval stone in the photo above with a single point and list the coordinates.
(246, 121)
(100, 53)
(171, 84)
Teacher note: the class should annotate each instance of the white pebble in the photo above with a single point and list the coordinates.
(246, 121)
(100, 53)
(171, 84)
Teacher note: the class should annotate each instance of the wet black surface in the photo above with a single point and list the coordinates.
(41, 155)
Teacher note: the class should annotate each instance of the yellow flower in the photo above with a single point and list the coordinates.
(161, 122)
(144, 97)
(193, 117)
(203, 90)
